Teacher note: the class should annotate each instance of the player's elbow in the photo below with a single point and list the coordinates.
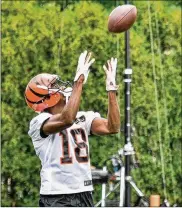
(114, 129)
(69, 121)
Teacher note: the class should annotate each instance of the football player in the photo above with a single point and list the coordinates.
(60, 133)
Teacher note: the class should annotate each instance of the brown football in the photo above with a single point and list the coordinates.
(122, 18)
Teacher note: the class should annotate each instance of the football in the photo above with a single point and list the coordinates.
(122, 18)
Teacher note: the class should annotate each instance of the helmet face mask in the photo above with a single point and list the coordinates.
(58, 84)
(43, 91)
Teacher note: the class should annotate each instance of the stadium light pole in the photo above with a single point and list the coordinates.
(127, 128)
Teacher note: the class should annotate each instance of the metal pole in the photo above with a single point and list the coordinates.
(104, 191)
(122, 186)
(127, 80)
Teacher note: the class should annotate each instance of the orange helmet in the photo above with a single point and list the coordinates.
(43, 91)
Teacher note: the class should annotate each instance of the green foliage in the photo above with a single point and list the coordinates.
(39, 36)
(158, 112)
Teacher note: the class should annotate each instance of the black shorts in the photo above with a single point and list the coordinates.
(83, 199)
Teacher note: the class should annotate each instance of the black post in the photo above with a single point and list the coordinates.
(127, 81)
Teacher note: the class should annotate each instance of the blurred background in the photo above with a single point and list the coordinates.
(48, 36)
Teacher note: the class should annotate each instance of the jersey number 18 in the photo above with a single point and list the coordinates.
(81, 149)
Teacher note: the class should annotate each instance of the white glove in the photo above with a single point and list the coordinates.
(111, 74)
(83, 66)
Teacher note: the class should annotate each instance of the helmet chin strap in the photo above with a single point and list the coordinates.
(67, 93)
(67, 98)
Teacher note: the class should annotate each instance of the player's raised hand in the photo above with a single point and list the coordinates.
(84, 63)
(110, 71)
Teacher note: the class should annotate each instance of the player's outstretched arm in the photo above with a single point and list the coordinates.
(101, 126)
(66, 117)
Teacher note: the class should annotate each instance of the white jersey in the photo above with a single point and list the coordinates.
(64, 156)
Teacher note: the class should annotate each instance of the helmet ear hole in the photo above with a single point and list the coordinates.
(53, 100)
(48, 97)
